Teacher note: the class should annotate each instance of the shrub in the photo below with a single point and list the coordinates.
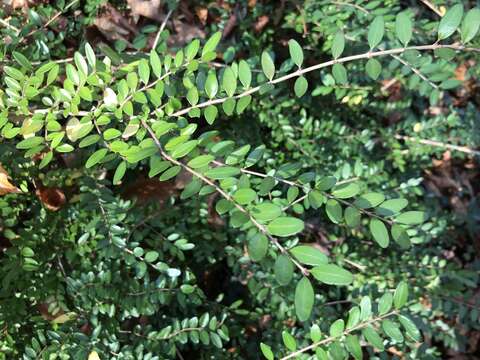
(286, 222)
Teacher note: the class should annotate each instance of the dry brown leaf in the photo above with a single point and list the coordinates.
(202, 14)
(52, 198)
(113, 25)
(146, 8)
(5, 186)
(262, 21)
(184, 33)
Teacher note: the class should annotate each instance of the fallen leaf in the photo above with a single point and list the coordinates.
(262, 21)
(146, 8)
(184, 33)
(5, 186)
(202, 14)
(52, 198)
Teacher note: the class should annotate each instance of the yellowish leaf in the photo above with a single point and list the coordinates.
(93, 356)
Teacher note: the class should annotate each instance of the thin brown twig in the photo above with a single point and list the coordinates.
(341, 3)
(162, 26)
(463, 149)
(416, 71)
(300, 72)
(432, 7)
(219, 190)
(51, 20)
(333, 338)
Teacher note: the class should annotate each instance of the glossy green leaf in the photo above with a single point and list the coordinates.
(210, 114)
(411, 218)
(373, 338)
(309, 255)
(403, 28)
(266, 351)
(338, 44)
(379, 232)
(244, 196)
(229, 81)
(373, 68)
(244, 74)
(283, 269)
(211, 43)
(392, 330)
(353, 346)
(285, 226)
(385, 303)
(200, 161)
(80, 63)
(369, 200)
(346, 191)
(326, 183)
(411, 329)
(334, 211)
(337, 327)
(450, 21)
(400, 296)
(144, 71)
(170, 173)
(340, 74)
(96, 157)
(258, 247)
(184, 149)
(301, 86)
(266, 211)
(156, 63)
(470, 25)
(222, 172)
(375, 32)
(353, 317)
(332, 274)
(289, 341)
(90, 54)
(296, 52)
(211, 85)
(352, 216)
(304, 299)
(400, 236)
(391, 207)
(268, 66)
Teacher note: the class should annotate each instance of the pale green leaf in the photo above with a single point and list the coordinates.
(304, 299)
(450, 21)
(332, 274)
(376, 31)
(285, 226)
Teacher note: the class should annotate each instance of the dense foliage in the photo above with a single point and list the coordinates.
(302, 183)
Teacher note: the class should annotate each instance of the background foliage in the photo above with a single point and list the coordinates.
(331, 214)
